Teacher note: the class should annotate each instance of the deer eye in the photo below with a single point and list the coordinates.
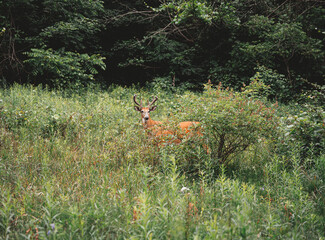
(141, 111)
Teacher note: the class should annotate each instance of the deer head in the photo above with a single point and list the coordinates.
(145, 116)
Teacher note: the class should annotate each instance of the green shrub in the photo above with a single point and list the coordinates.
(64, 69)
(278, 86)
(231, 122)
(169, 85)
(314, 96)
(305, 129)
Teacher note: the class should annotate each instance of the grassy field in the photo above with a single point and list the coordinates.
(80, 166)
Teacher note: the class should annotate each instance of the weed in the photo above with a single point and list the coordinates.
(81, 167)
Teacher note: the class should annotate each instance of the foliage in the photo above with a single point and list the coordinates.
(81, 167)
(77, 34)
(191, 41)
(58, 29)
(306, 128)
(279, 87)
(77, 164)
(279, 43)
(257, 87)
(167, 57)
(64, 69)
(232, 122)
(186, 9)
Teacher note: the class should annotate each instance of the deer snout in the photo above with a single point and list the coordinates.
(145, 116)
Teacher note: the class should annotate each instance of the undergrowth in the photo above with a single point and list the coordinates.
(82, 167)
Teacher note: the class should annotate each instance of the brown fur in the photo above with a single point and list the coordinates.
(163, 133)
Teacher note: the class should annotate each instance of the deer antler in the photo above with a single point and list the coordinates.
(135, 101)
(153, 101)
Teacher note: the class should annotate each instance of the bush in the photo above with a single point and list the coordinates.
(231, 121)
(306, 129)
(62, 69)
(278, 85)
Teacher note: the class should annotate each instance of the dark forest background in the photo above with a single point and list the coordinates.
(63, 43)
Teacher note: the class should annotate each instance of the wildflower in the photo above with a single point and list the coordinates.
(135, 214)
(262, 188)
(52, 226)
(48, 232)
(184, 189)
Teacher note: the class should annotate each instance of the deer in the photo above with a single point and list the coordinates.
(158, 130)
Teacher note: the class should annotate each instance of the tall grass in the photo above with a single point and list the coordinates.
(82, 167)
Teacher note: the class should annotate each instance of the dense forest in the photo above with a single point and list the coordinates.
(231, 144)
(78, 42)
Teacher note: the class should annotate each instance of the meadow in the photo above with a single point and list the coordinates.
(79, 165)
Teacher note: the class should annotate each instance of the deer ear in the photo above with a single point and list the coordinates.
(153, 108)
(137, 108)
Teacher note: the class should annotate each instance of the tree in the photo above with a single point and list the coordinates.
(174, 40)
(39, 31)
